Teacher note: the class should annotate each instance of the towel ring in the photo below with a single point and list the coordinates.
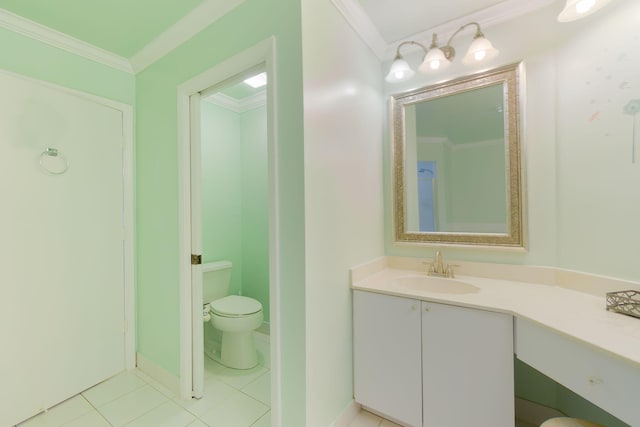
(53, 152)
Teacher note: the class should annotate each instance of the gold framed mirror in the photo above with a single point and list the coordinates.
(457, 161)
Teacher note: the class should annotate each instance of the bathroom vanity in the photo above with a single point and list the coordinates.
(427, 356)
(452, 364)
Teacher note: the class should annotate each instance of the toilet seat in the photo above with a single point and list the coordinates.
(235, 306)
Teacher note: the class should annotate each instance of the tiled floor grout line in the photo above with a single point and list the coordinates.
(95, 409)
(152, 409)
(235, 382)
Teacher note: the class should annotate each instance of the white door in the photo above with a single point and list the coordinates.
(61, 246)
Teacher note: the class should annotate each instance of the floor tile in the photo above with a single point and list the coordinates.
(169, 414)
(236, 378)
(264, 421)
(238, 410)
(113, 388)
(155, 384)
(365, 419)
(131, 406)
(92, 419)
(387, 423)
(214, 391)
(62, 413)
(198, 423)
(260, 389)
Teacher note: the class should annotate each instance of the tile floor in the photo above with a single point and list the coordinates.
(232, 398)
(367, 419)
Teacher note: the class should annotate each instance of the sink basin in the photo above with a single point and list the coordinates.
(439, 285)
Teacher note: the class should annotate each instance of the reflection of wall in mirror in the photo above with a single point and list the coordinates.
(474, 182)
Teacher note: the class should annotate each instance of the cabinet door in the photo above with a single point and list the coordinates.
(387, 366)
(467, 365)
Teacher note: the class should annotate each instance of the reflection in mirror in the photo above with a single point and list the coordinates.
(457, 161)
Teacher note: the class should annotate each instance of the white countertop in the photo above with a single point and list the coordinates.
(578, 315)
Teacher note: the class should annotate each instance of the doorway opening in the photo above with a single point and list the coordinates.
(227, 213)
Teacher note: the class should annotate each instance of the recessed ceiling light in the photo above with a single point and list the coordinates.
(257, 81)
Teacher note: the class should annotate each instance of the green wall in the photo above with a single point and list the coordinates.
(157, 185)
(235, 191)
(222, 177)
(478, 185)
(31, 58)
(255, 208)
(470, 183)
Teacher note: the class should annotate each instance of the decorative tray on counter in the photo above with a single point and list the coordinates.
(625, 302)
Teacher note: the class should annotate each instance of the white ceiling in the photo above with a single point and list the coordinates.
(399, 19)
(382, 24)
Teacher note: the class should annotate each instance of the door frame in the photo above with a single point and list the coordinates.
(128, 204)
(191, 345)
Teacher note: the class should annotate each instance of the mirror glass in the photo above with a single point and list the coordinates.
(457, 161)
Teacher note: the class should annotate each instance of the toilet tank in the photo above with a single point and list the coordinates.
(216, 278)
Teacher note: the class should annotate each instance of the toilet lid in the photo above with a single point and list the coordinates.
(235, 305)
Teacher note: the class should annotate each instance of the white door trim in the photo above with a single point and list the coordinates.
(261, 53)
(128, 231)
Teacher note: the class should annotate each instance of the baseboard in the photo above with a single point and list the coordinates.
(347, 415)
(264, 329)
(158, 373)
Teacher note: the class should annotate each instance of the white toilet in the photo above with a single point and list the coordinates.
(235, 316)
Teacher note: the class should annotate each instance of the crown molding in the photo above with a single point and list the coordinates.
(494, 15)
(359, 20)
(195, 21)
(238, 106)
(54, 38)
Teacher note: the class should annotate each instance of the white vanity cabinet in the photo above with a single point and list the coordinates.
(433, 365)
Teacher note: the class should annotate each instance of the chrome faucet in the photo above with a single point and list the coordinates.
(439, 268)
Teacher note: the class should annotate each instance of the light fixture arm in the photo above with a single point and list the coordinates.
(408, 42)
(448, 50)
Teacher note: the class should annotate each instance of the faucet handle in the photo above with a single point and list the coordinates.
(448, 270)
(430, 267)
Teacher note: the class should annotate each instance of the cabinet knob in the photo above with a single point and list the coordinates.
(426, 308)
(414, 307)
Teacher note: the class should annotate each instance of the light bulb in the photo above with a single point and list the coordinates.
(479, 55)
(577, 9)
(434, 60)
(584, 6)
(399, 71)
(481, 49)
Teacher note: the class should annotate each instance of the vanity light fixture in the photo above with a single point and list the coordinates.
(438, 58)
(576, 9)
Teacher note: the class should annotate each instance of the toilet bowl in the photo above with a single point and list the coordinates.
(237, 317)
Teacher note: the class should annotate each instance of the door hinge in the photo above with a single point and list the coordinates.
(196, 259)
